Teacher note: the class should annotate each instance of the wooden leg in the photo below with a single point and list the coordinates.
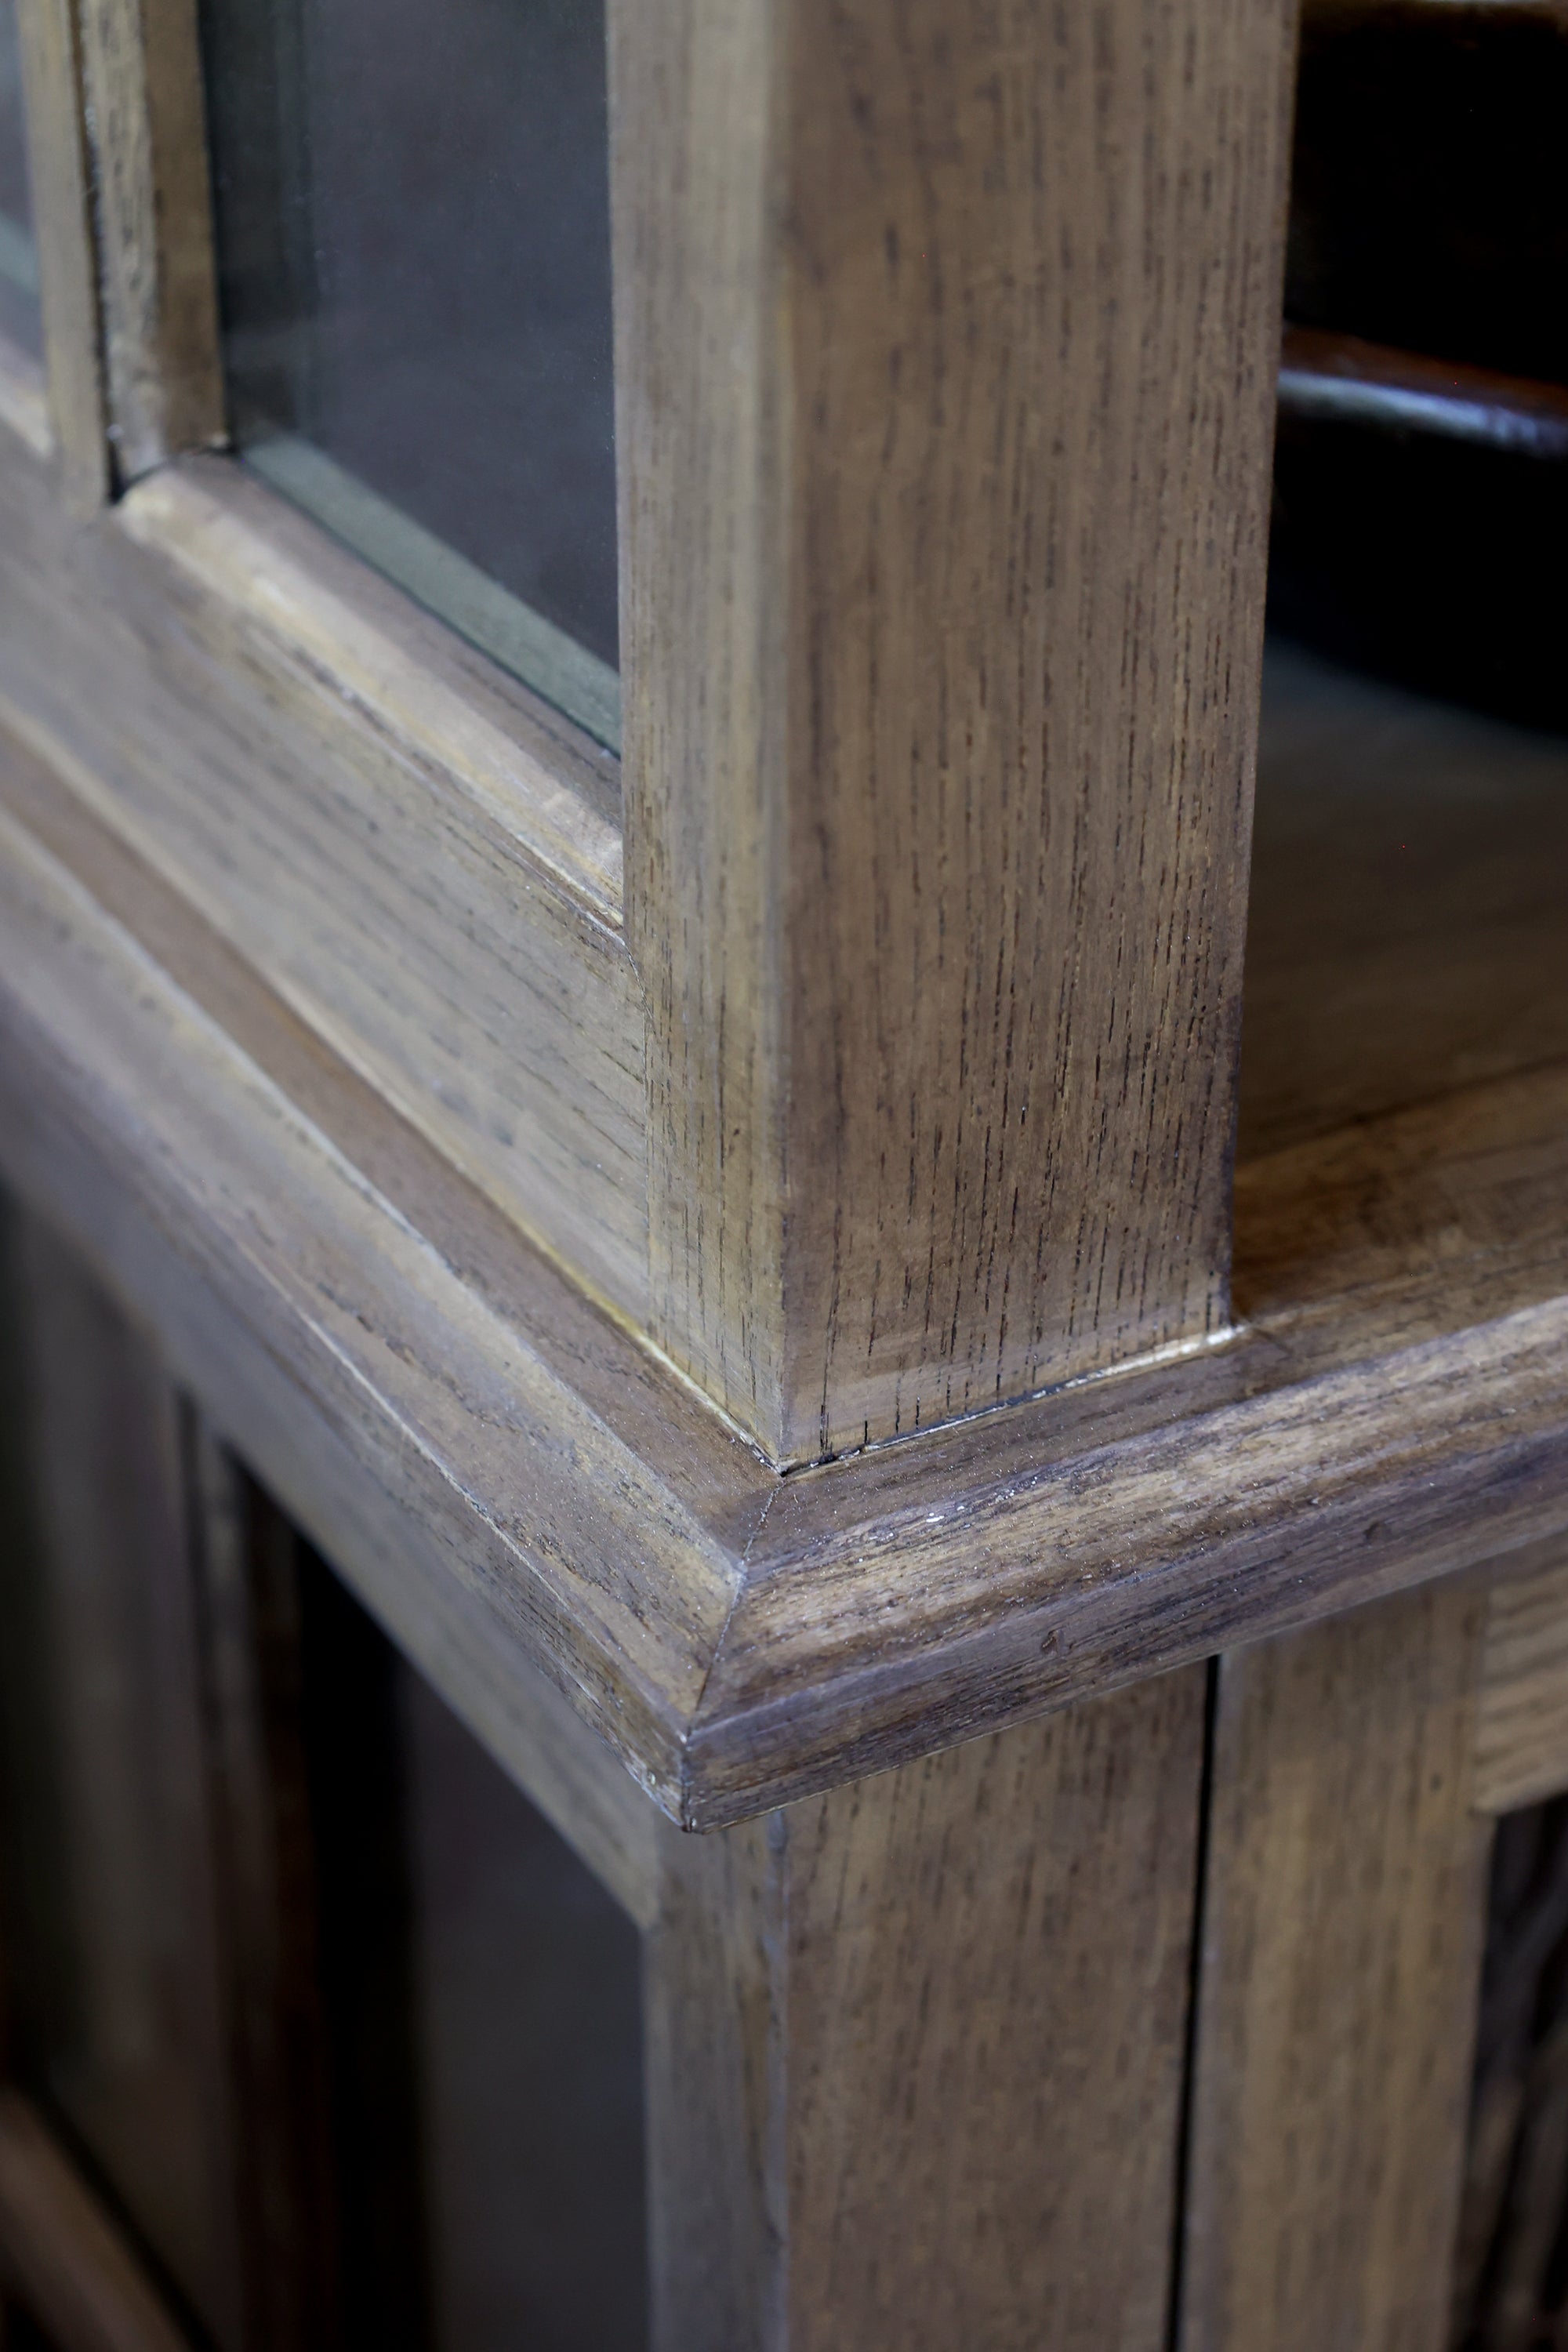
(915, 2050)
(1343, 1919)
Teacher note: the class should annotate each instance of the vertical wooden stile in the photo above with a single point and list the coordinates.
(142, 69)
(1344, 1921)
(945, 350)
(67, 265)
(915, 2049)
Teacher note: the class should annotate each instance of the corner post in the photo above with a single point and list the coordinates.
(946, 348)
(915, 2049)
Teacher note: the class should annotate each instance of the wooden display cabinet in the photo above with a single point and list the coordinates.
(1022, 1540)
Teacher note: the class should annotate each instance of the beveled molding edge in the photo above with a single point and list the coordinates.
(520, 1490)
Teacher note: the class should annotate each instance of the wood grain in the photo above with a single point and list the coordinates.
(141, 79)
(1456, 1201)
(915, 2048)
(213, 1267)
(1405, 934)
(1343, 1914)
(1389, 1272)
(946, 355)
(522, 1492)
(423, 859)
(68, 260)
(1521, 1711)
(67, 2260)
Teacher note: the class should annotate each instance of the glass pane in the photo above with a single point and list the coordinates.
(483, 2001)
(18, 261)
(114, 2003)
(413, 232)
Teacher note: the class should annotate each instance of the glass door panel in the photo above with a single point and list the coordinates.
(340, 2032)
(413, 232)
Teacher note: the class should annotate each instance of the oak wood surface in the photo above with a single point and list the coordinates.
(915, 2048)
(1344, 1906)
(425, 860)
(476, 1367)
(69, 2263)
(1521, 1709)
(1404, 932)
(513, 1480)
(945, 356)
(68, 261)
(1387, 1276)
(153, 208)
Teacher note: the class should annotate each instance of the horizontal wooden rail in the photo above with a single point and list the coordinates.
(508, 1475)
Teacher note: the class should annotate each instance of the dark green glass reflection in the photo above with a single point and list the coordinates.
(413, 227)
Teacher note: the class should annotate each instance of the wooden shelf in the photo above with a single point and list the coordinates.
(1406, 932)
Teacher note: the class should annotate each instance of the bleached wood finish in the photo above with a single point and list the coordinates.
(143, 85)
(1344, 1906)
(915, 2050)
(63, 2254)
(1521, 1716)
(318, 787)
(478, 1365)
(904, 1087)
(67, 262)
(945, 368)
(515, 1483)
(1404, 931)
(424, 859)
(1358, 1438)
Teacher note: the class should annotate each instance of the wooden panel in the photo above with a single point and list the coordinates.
(916, 2050)
(1344, 1915)
(430, 1401)
(1521, 1717)
(1389, 1274)
(154, 211)
(1404, 935)
(420, 857)
(946, 360)
(68, 271)
(65, 2257)
(1458, 1201)
(227, 1222)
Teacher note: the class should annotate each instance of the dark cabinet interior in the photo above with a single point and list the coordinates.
(338, 2030)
